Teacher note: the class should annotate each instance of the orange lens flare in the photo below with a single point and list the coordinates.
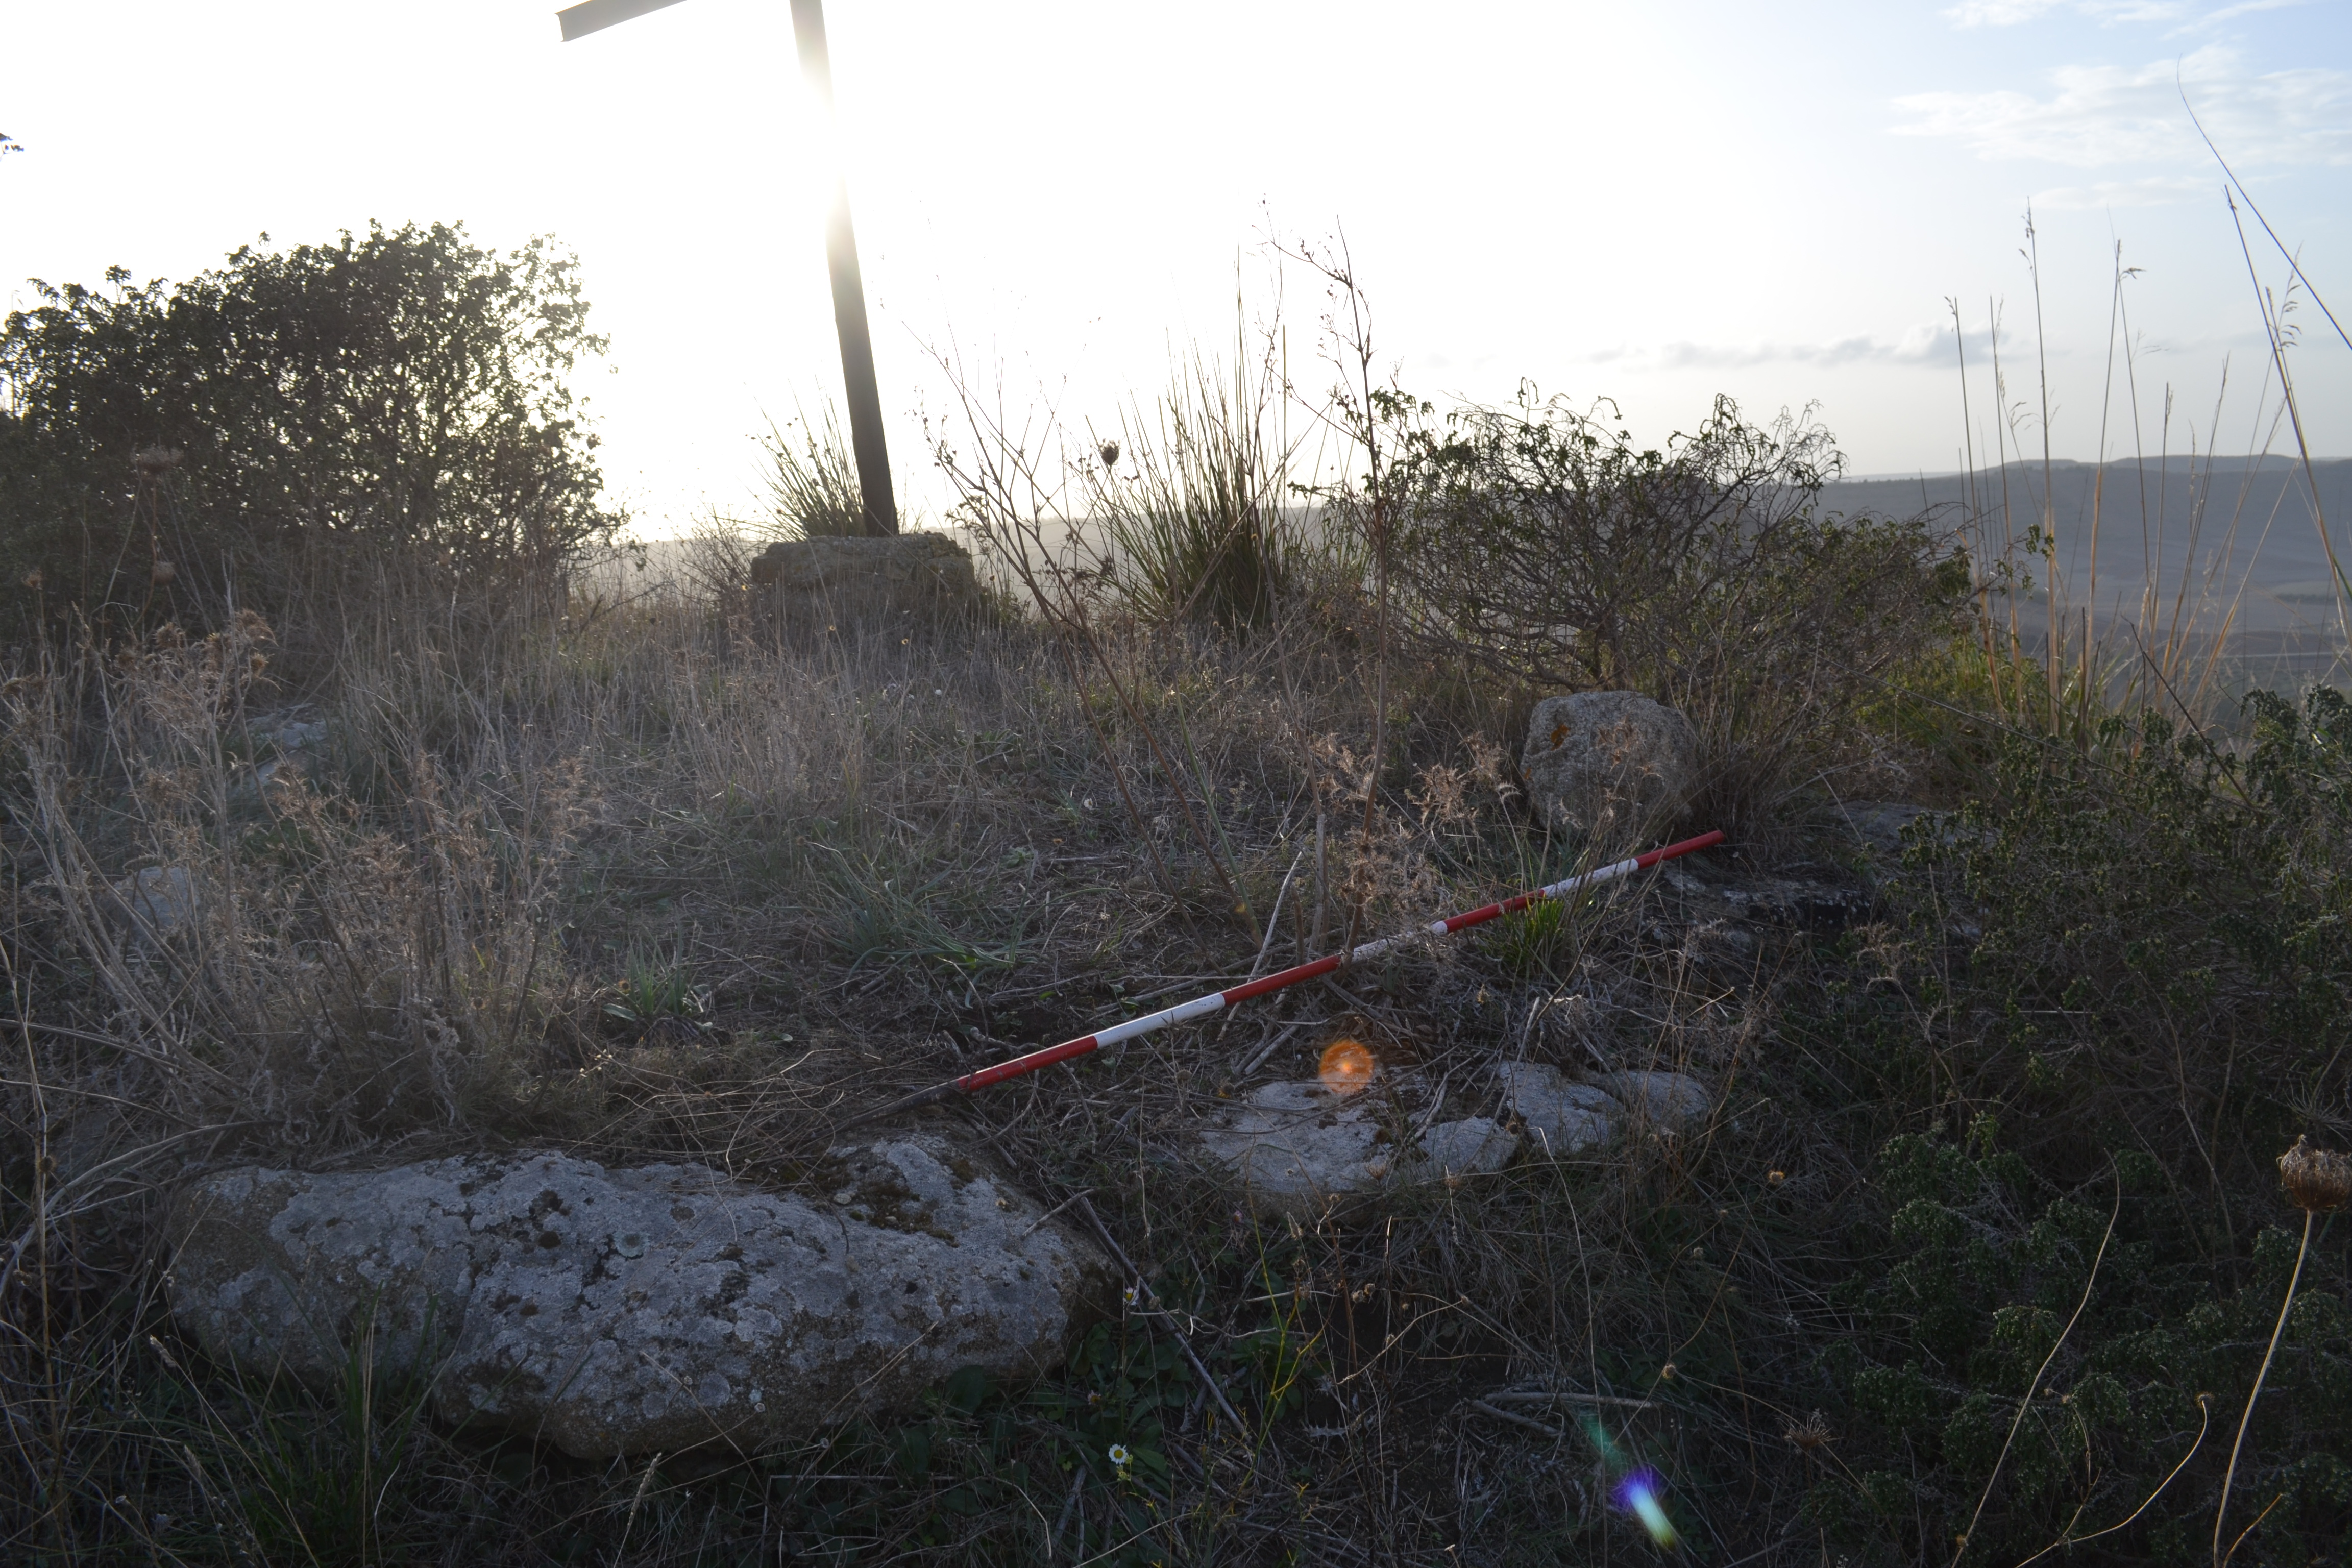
(1347, 1067)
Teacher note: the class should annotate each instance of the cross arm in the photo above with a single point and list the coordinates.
(595, 16)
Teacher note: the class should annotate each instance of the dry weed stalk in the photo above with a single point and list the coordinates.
(2025, 1402)
(1013, 496)
(281, 959)
(2173, 651)
(2317, 1182)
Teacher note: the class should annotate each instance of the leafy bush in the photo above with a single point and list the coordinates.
(2131, 974)
(2164, 928)
(292, 412)
(2025, 1375)
(1535, 543)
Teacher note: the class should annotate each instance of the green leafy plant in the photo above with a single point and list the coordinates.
(654, 987)
(2167, 887)
(2136, 969)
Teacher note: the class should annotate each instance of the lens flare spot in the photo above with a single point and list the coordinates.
(1638, 1495)
(1347, 1067)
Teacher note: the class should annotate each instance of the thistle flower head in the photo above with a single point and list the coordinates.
(2317, 1181)
(1811, 1435)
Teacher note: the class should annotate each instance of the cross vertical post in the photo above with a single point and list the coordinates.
(865, 393)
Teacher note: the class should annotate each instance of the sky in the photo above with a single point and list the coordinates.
(1654, 203)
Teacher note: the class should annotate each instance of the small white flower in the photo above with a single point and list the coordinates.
(1119, 1456)
(1131, 1297)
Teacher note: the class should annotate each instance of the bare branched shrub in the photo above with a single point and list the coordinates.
(715, 558)
(1541, 546)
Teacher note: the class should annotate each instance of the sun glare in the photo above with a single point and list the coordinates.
(1347, 1067)
(1639, 1493)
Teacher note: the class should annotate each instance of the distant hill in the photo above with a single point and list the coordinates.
(2229, 519)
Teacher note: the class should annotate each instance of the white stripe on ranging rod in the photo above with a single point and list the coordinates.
(1216, 1001)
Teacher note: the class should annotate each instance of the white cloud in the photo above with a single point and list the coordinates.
(2011, 12)
(2115, 11)
(2242, 7)
(2101, 116)
(1924, 344)
(1998, 13)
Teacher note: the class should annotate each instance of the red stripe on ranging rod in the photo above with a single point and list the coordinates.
(1217, 1001)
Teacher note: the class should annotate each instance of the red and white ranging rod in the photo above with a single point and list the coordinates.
(1217, 1001)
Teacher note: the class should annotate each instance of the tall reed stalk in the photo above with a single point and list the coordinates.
(2176, 649)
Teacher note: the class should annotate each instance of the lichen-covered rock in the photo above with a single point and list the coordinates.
(1879, 830)
(295, 734)
(1879, 824)
(1468, 1147)
(1302, 1148)
(1562, 1117)
(837, 582)
(1786, 903)
(1669, 1102)
(1796, 905)
(156, 900)
(1611, 766)
(1299, 1146)
(618, 1311)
